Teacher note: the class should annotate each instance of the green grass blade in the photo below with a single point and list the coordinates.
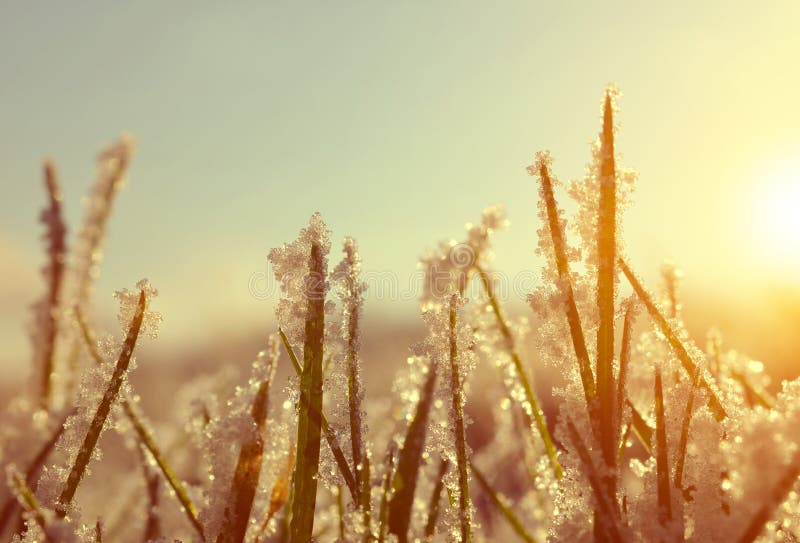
(404, 481)
(98, 421)
(514, 521)
(672, 338)
(330, 435)
(662, 459)
(309, 424)
(538, 418)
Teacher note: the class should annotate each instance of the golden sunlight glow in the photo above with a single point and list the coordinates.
(779, 215)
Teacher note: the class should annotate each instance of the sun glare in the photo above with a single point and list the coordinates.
(779, 217)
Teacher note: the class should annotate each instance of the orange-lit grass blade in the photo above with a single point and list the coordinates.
(236, 518)
(672, 338)
(662, 459)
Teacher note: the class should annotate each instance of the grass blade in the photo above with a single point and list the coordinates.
(404, 481)
(48, 309)
(606, 250)
(436, 498)
(662, 460)
(624, 364)
(684, 439)
(146, 438)
(112, 392)
(279, 496)
(386, 492)
(538, 418)
(248, 466)
(152, 528)
(640, 427)
(607, 506)
(672, 338)
(457, 394)
(27, 499)
(309, 424)
(778, 495)
(330, 435)
(565, 280)
(32, 473)
(514, 521)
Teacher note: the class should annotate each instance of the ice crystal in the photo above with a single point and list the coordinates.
(450, 265)
(293, 270)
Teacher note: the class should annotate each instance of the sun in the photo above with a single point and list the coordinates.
(779, 214)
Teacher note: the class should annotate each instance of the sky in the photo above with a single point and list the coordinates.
(399, 122)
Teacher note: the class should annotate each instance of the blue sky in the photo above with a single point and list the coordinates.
(398, 122)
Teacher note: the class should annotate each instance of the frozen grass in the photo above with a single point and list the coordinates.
(654, 439)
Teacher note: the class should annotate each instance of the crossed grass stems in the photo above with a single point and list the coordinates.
(294, 493)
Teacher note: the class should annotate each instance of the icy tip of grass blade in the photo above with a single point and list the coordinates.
(92, 436)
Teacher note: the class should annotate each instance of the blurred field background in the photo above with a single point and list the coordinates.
(396, 121)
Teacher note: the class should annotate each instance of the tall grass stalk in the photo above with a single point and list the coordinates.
(606, 250)
(309, 425)
(530, 396)
(98, 421)
(353, 300)
(460, 436)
